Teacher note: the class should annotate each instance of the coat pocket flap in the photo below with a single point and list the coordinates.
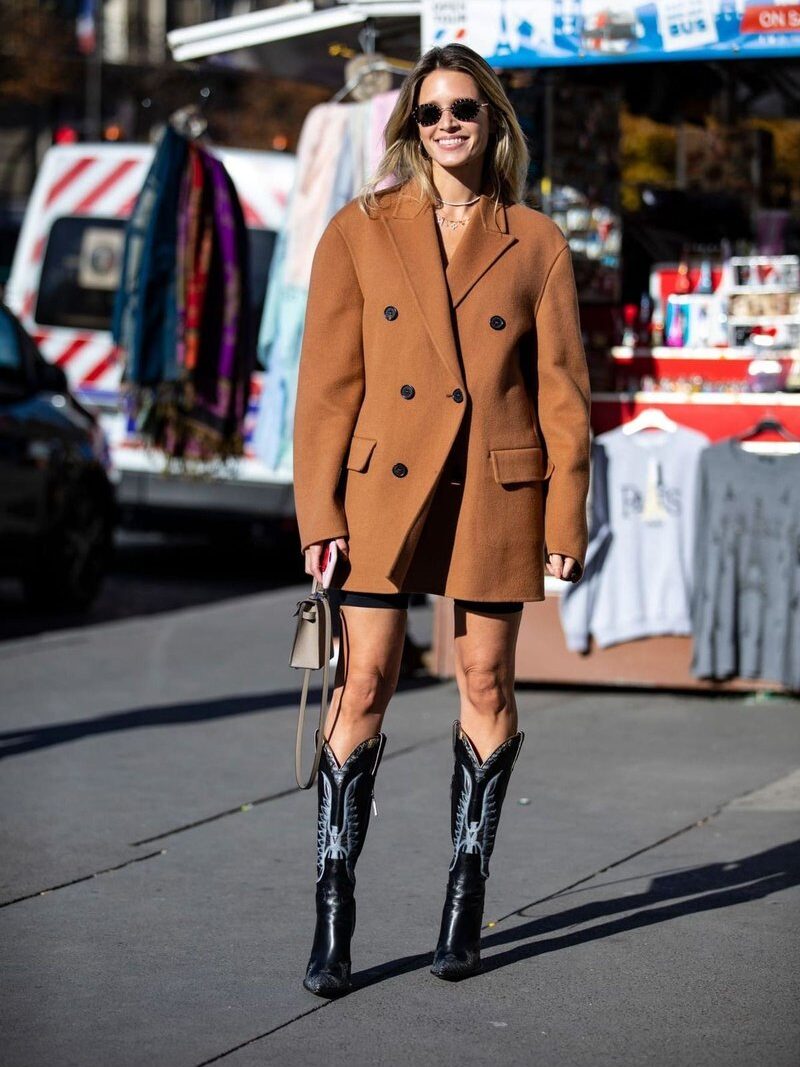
(527, 464)
(359, 452)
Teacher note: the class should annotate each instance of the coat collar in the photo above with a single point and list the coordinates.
(411, 223)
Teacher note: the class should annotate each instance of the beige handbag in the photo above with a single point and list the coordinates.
(312, 649)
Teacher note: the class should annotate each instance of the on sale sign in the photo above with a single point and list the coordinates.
(771, 18)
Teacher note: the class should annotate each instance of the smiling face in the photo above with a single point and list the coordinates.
(452, 143)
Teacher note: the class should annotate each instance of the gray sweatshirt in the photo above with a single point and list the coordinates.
(638, 571)
(746, 607)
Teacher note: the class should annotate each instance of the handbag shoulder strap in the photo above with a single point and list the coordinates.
(323, 704)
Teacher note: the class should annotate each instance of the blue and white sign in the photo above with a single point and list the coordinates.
(535, 33)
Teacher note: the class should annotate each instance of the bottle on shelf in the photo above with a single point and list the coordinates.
(705, 283)
(683, 283)
(675, 326)
(703, 328)
(657, 329)
(629, 338)
(645, 320)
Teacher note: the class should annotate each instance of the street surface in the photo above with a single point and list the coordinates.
(158, 873)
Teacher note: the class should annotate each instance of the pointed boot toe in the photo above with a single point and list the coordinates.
(453, 968)
(328, 983)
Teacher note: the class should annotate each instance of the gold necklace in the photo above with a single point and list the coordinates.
(452, 223)
(463, 203)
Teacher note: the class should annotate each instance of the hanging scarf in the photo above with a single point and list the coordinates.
(143, 320)
(182, 313)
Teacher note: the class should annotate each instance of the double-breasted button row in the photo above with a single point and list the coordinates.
(408, 391)
(497, 322)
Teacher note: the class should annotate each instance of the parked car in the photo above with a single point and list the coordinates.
(57, 503)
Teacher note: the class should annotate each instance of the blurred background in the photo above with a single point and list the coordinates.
(145, 466)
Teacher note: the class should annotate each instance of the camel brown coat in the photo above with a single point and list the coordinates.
(442, 415)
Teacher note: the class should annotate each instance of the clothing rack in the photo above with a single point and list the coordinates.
(658, 661)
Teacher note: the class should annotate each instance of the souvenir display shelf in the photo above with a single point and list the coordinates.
(718, 390)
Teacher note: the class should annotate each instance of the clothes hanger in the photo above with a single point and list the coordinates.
(379, 65)
(790, 445)
(190, 123)
(367, 39)
(650, 419)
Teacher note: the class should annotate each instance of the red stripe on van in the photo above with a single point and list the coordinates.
(71, 350)
(67, 179)
(98, 371)
(251, 216)
(126, 209)
(118, 172)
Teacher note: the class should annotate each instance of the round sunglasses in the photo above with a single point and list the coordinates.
(464, 110)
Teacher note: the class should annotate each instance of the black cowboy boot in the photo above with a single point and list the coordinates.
(344, 795)
(477, 792)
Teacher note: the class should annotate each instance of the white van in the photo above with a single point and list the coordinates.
(62, 285)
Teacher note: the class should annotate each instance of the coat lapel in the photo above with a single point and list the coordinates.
(485, 240)
(412, 230)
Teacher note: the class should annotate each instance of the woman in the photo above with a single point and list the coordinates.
(443, 397)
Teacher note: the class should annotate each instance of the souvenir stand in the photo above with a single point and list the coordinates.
(714, 344)
(721, 391)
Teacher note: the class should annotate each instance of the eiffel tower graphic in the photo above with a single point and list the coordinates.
(653, 509)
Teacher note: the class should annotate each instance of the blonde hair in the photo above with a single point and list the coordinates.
(506, 159)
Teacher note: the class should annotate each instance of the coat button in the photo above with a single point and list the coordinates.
(407, 391)
(391, 312)
(497, 322)
(458, 396)
(399, 470)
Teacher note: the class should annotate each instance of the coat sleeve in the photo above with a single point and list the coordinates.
(330, 388)
(563, 409)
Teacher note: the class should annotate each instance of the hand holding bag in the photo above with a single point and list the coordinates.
(311, 650)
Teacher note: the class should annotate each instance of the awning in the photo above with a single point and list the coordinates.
(293, 40)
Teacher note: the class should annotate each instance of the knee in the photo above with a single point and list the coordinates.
(486, 689)
(366, 690)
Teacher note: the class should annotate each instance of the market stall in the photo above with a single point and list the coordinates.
(669, 181)
(665, 146)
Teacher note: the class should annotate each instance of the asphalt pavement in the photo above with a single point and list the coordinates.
(158, 866)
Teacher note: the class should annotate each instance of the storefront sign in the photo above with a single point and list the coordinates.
(535, 33)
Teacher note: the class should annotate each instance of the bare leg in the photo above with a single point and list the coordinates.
(485, 649)
(371, 649)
